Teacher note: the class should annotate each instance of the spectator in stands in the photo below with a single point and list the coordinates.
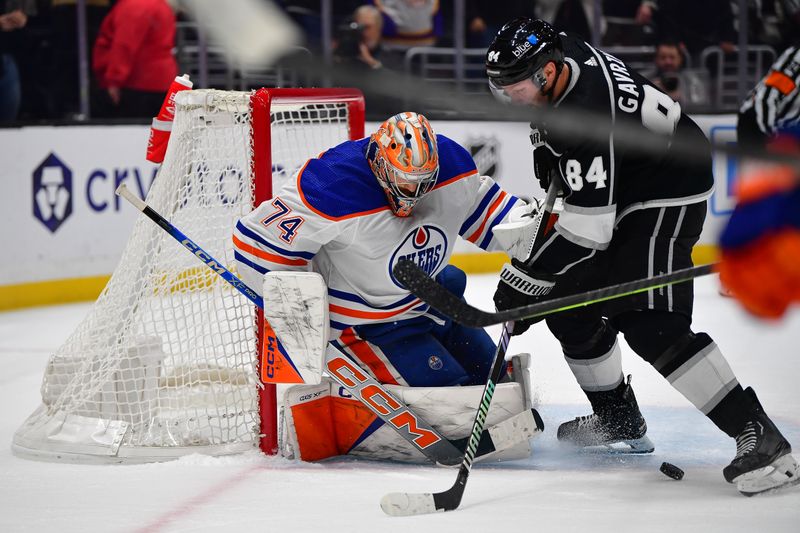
(133, 59)
(361, 38)
(685, 85)
(359, 50)
(65, 82)
(12, 19)
(409, 23)
(669, 63)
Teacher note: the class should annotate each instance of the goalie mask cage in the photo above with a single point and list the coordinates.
(165, 363)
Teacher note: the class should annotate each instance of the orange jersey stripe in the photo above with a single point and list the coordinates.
(474, 237)
(266, 255)
(363, 351)
(455, 178)
(371, 314)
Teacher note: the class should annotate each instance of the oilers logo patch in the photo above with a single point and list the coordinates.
(435, 362)
(424, 245)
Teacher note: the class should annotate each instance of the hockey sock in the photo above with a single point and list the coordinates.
(692, 363)
(595, 361)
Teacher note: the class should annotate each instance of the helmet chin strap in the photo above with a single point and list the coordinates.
(540, 81)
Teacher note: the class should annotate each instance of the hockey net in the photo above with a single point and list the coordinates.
(165, 364)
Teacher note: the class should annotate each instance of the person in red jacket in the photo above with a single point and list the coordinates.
(132, 59)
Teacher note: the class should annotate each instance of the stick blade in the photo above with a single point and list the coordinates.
(408, 504)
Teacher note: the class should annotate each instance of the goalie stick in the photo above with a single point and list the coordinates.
(405, 422)
(428, 290)
(406, 503)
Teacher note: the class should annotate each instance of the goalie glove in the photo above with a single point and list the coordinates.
(518, 287)
(516, 235)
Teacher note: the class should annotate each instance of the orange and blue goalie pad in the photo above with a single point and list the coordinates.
(331, 426)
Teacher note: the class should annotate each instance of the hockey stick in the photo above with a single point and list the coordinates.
(407, 504)
(418, 282)
(395, 413)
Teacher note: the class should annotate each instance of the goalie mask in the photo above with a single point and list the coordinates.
(404, 158)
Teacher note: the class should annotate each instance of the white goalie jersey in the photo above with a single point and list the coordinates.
(334, 219)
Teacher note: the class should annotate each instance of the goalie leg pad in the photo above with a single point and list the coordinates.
(322, 421)
(296, 309)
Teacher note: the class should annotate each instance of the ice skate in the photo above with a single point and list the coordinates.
(763, 459)
(616, 425)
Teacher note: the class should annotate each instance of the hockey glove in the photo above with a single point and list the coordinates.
(517, 288)
(545, 162)
(544, 166)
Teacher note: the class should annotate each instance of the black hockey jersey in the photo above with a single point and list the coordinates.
(605, 180)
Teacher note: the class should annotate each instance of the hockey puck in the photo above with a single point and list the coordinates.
(669, 469)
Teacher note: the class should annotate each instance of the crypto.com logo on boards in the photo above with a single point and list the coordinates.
(52, 192)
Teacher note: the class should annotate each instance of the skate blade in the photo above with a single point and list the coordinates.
(784, 472)
(631, 446)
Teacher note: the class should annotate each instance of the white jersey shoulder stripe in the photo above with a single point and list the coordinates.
(590, 230)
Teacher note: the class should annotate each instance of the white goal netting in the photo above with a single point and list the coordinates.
(165, 362)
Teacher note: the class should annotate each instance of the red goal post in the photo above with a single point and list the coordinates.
(262, 102)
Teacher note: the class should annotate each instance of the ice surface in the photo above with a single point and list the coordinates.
(555, 490)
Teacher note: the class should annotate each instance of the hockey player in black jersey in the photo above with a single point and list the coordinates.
(626, 215)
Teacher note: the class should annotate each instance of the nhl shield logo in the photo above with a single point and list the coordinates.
(435, 362)
(485, 153)
(424, 245)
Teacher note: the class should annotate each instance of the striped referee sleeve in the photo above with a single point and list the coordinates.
(776, 99)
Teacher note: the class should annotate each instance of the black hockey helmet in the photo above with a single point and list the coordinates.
(521, 48)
